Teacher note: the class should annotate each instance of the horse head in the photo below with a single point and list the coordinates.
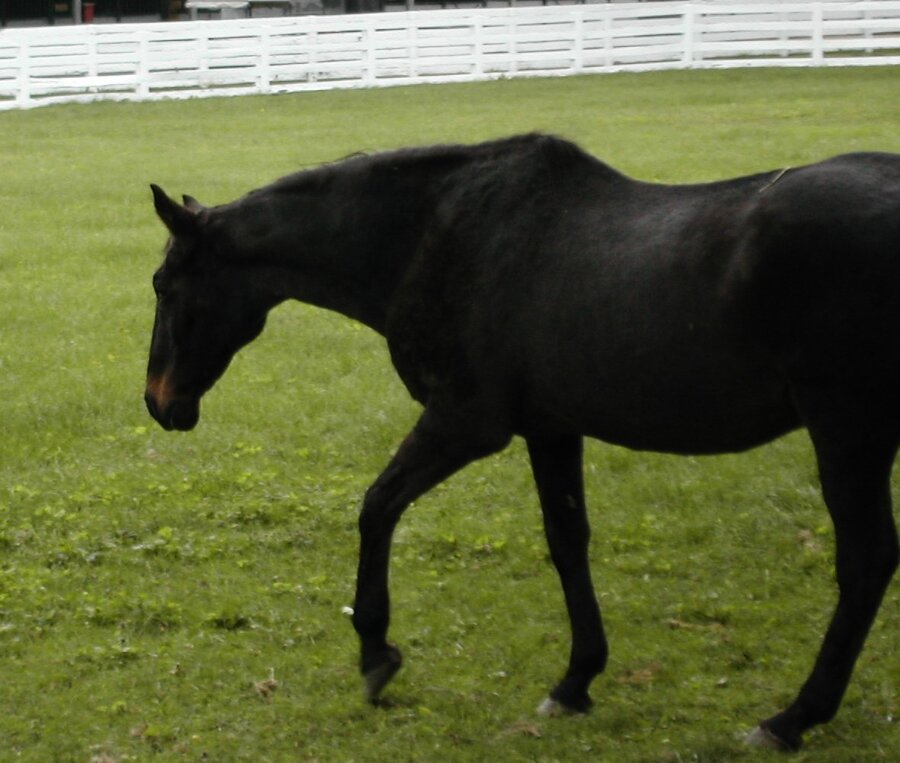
(206, 310)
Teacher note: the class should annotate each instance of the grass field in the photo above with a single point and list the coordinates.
(179, 597)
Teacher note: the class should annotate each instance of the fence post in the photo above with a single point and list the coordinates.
(608, 53)
(203, 63)
(687, 55)
(818, 34)
(312, 74)
(578, 43)
(263, 80)
(92, 68)
(479, 45)
(143, 65)
(370, 73)
(513, 45)
(23, 97)
(412, 68)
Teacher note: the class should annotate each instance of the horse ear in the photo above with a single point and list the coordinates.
(179, 220)
(192, 205)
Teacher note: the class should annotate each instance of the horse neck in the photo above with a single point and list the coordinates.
(341, 241)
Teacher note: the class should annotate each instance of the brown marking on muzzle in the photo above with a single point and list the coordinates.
(171, 410)
(160, 390)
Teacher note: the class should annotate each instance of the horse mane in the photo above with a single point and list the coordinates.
(550, 150)
(537, 151)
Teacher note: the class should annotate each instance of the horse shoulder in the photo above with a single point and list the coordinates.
(474, 262)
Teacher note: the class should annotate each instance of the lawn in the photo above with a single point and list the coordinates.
(180, 596)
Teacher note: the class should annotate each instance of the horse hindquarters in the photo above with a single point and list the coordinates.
(855, 440)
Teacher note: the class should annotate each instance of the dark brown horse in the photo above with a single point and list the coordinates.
(525, 288)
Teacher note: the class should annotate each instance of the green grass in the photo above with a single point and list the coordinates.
(152, 585)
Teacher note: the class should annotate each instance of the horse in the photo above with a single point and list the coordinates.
(525, 288)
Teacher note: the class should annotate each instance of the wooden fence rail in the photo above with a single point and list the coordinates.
(278, 55)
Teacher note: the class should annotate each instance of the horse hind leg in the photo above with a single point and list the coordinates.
(557, 468)
(855, 463)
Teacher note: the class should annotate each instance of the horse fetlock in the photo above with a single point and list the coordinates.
(378, 669)
(571, 696)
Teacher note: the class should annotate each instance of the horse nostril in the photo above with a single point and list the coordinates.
(151, 405)
(157, 396)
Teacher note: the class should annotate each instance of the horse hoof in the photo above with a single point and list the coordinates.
(553, 708)
(550, 708)
(762, 737)
(380, 676)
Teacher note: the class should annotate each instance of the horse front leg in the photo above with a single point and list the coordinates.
(557, 467)
(855, 476)
(424, 459)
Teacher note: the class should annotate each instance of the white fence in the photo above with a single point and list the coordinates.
(278, 55)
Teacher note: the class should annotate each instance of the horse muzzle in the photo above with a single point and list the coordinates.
(171, 411)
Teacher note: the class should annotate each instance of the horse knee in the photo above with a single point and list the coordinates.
(370, 518)
(380, 509)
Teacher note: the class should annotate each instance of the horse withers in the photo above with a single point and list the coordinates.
(525, 288)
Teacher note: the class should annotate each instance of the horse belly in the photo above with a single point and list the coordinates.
(689, 424)
(689, 401)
